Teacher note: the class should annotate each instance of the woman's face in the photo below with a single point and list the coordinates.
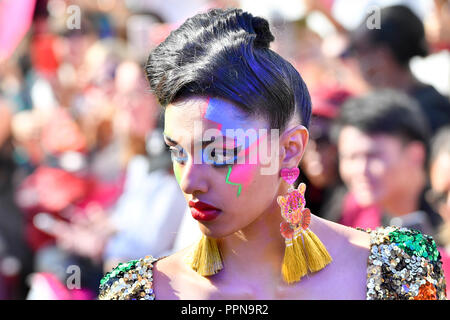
(222, 158)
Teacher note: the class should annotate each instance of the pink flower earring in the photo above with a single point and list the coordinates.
(304, 250)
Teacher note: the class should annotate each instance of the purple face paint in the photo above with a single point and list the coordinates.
(228, 119)
(227, 116)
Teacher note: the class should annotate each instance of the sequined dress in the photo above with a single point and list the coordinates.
(403, 264)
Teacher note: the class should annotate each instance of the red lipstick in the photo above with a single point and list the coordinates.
(202, 211)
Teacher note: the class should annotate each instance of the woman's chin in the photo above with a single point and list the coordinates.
(215, 230)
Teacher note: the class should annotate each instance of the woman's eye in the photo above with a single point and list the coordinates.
(224, 158)
(177, 154)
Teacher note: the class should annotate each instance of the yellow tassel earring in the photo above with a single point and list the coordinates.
(304, 250)
(205, 257)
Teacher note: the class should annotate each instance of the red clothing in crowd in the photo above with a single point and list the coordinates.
(354, 215)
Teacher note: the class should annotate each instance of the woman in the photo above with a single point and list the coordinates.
(217, 78)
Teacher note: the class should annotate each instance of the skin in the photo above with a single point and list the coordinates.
(440, 183)
(382, 169)
(248, 229)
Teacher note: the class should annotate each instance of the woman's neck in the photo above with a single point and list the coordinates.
(257, 251)
(259, 246)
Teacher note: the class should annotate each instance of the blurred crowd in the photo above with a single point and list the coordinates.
(86, 181)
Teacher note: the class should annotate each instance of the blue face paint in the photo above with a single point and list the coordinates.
(232, 123)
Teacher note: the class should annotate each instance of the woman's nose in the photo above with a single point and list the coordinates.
(194, 178)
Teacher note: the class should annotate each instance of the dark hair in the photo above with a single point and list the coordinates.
(225, 54)
(384, 111)
(440, 143)
(401, 30)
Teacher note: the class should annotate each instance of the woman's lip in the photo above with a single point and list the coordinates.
(202, 206)
(203, 211)
(204, 215)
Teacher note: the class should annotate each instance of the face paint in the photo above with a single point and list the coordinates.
(222, 120)
(235, 125)
(177, 172)
(242, 174)
(227, 119)
(232, 183)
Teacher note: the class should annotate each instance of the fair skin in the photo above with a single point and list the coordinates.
(248, 229)
(381, 169)
(440, 183)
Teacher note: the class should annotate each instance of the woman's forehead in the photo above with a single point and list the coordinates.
(195, 115)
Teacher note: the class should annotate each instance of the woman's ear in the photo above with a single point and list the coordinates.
(293, 143)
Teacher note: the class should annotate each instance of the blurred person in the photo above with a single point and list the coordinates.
(434, 69)
(319, 167)
(437, 25)
(115, 234)
(150, 194)
(384, 54)
(439, 194)
(382, 140)
(55, 147)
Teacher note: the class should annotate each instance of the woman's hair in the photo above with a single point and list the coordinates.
(225, 54)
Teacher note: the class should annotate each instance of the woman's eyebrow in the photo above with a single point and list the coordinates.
(204, 143)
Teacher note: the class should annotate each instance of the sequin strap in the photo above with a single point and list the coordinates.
(132, 280)
(404, 264)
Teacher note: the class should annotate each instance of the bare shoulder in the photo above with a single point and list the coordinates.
(173, 264)
(174, 279)
(345, 277)
(341, 237)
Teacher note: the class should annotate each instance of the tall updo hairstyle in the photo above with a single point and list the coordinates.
(225, 53)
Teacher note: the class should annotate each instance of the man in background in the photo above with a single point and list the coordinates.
(382, 143)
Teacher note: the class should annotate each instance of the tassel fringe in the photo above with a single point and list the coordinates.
(205, 258)
(318, 256)
(304, 252)
(294, 263)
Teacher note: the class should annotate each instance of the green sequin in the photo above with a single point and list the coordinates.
(121, 267)
(415, 243)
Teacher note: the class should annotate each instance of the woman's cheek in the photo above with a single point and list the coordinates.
(241, 176)
(244, 174)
